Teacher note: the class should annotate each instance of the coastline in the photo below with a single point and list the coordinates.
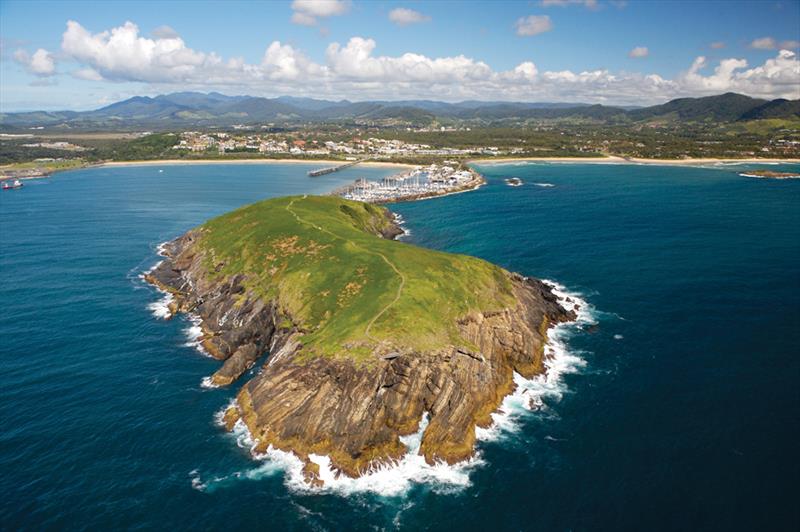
(611, 159)
(189, 162)
(318, 468)
(174, 162)
(615, 159)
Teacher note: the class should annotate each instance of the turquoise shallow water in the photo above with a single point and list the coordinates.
(685, 414)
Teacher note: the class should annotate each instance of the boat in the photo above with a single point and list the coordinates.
(514, 182)
(9, 185)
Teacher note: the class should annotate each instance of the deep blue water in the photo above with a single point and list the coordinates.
(685, 415)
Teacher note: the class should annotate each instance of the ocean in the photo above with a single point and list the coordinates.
(672, 405)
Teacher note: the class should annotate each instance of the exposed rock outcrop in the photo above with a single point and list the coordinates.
(356, 412)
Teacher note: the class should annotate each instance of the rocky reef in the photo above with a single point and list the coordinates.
(354, 403)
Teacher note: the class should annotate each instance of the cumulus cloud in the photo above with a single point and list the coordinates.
(356, 69)
(770, 43)
(764, 43)
(307, 12)
(356, 62)
(533, 25)
(165, 32)
(639, 51)
(403, 16)
(777, 77)
(41, 63)
(87, 74)
(591, 4)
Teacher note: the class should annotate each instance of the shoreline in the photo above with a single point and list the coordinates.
(615, 159)
(199, 162)
(175, 162)
(611, 159)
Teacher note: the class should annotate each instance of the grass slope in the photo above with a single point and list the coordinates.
(352, 292)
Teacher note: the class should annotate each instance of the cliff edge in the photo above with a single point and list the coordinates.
(361, 335)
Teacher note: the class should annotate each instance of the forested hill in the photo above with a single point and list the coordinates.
(187, 109)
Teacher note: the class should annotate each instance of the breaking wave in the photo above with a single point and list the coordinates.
(397, 478)
(160, 308)
(530, 394)
(756, 176)
(401, 222)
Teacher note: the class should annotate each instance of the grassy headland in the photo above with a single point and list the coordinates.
(351, 290)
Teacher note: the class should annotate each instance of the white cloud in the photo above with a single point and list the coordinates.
(306, 12)
(165, 32)
(303, 19)
(717, 45)
(41, 63)
(533, 25)
(639, 51)
(356, 70)
(591, 4)
(764, 43)
(88, 74)
(403, 17)
(777, 77)
(769, 43)
(121, 54)
(356, 62)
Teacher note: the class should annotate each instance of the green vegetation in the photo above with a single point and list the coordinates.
(350, 290)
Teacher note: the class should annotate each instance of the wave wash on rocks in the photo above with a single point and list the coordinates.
(365, 335)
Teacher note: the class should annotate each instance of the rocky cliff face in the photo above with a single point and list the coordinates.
(355, 413)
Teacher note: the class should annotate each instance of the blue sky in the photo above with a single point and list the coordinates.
(546, 50)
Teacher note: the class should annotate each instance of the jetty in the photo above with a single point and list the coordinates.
(332, 169)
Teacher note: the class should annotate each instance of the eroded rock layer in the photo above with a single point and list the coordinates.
(354, 410)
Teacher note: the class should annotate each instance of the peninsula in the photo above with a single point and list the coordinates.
(361, 335)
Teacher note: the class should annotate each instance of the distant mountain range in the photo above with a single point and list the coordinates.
(194, 109)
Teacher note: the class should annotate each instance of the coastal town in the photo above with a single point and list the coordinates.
(196, 141)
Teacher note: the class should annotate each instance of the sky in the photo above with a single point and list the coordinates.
(84, 55)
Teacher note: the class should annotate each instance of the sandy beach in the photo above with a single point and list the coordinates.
(612, 159)
(327, 162)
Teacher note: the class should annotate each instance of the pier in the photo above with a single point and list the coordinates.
(332, 169)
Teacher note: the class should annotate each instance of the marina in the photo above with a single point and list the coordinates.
(419, 183)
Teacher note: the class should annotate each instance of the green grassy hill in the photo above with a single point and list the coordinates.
(349, 290)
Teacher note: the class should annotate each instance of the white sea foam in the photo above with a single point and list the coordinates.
(618, 337)
(545, 185)
(530, 394)
(401, 222)
(396, 478)
(194, 335)
(208, 384)
(160, 308)
(743, 174)
(389, 480)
